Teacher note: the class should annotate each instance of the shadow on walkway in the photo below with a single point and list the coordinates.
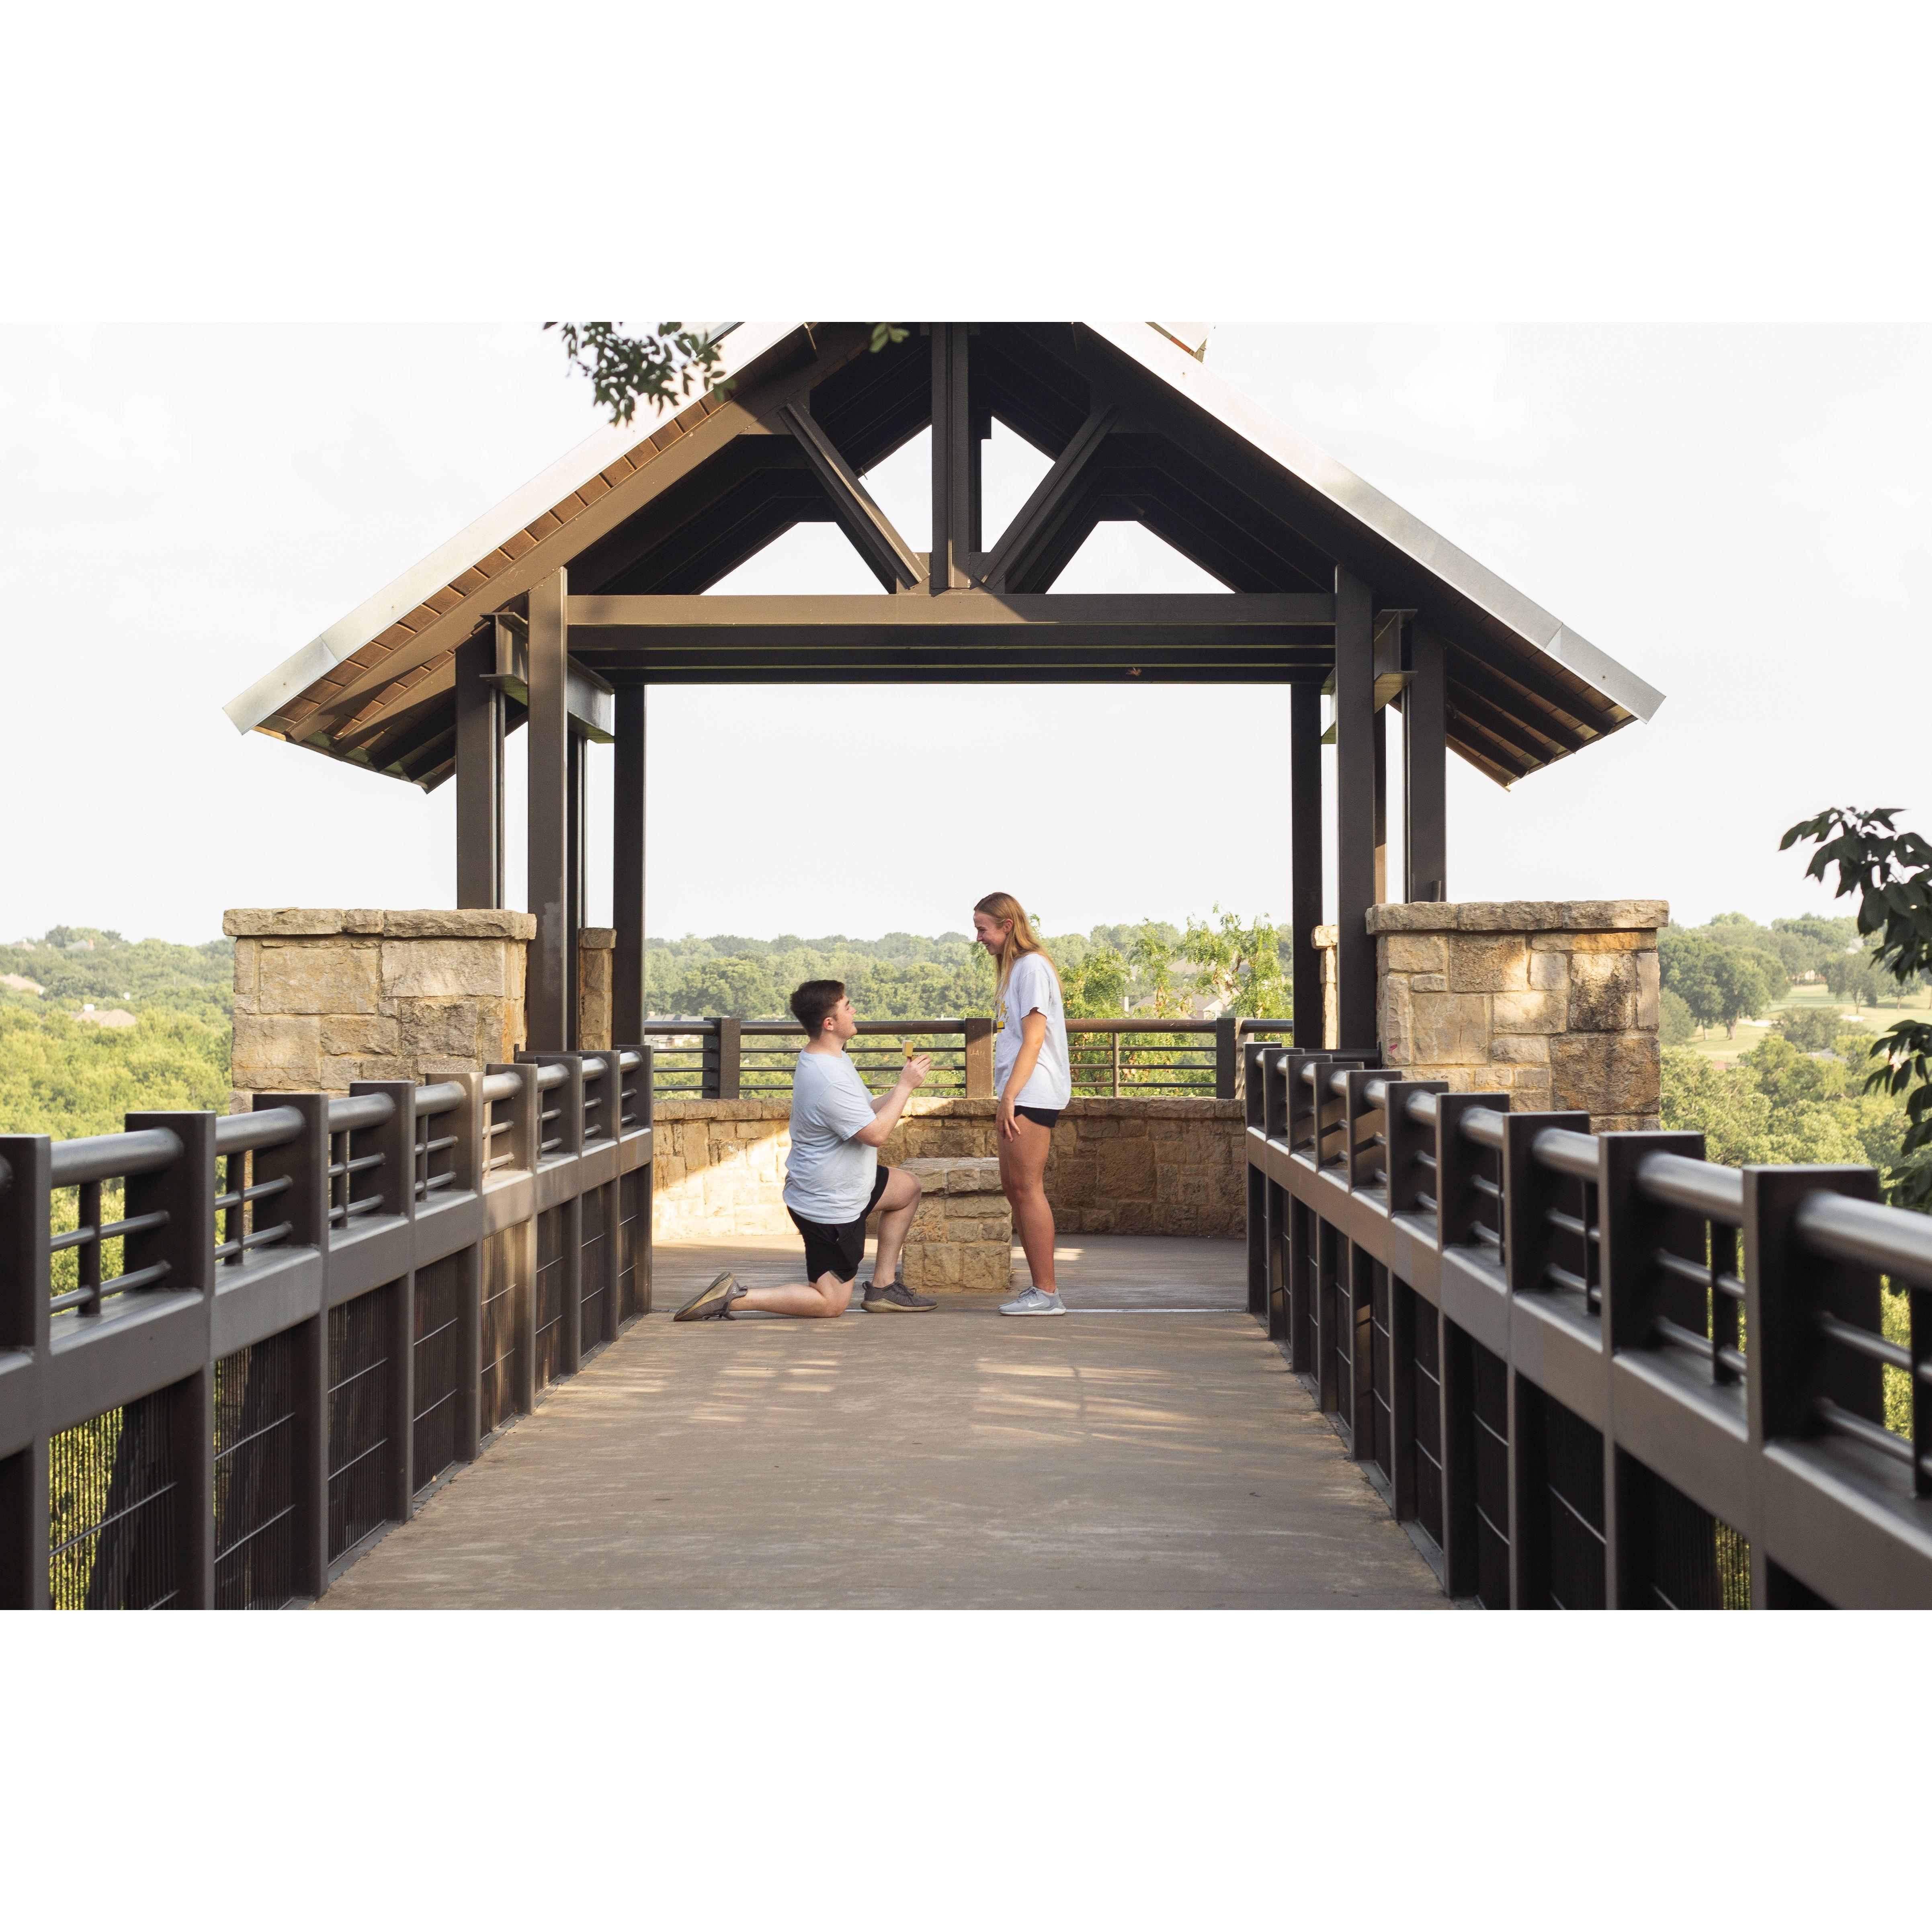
(1161, 1457)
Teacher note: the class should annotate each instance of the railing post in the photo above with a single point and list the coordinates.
(304, 1162)
(1459, 1204)
(24, 1289)
(1258, 1220)
(722, 1058)
(525, 1139)
(184, 1191)
(1269, 1106)
(570, 1132)
(395, 1140)
(467, 1159)
(1406, 1139)
(1632, 1289)
(1361, 1123)
(1228, 1067)
(1786, 1289)
(1530, 1190)
(980, 1058)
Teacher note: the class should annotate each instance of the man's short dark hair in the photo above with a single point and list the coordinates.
(814, 1000)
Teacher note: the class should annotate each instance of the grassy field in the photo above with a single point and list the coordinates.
(1724, 1052)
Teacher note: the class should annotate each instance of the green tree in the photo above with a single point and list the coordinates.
(1854, 977)
(739, 988)
(1891, 874)
(1719, 984)
(1676, 1025)
(1810, 1029)
(1240, 965)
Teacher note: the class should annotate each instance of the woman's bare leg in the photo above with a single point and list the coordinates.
(1023, 1180)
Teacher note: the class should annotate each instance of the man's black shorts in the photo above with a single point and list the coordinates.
(838, 1249)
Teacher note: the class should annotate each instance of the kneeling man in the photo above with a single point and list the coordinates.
(833, 1180)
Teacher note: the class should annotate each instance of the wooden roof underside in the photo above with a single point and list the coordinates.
(695, 499)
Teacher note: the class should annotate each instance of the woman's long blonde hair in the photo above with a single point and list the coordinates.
(1021, 940)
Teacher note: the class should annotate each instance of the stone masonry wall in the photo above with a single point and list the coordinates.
(1553, 1003)
(1128, 1167)
(325, 996)
(595, 959)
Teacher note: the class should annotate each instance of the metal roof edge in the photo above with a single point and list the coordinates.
(1166, 359)
(744, 342)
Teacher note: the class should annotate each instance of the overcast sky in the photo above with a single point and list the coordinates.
(1733, 511)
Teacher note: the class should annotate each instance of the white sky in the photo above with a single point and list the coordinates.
(1636, 377)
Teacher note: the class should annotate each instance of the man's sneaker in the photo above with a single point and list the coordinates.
(714, 1304)
(1031, 1301)
(895, 1298)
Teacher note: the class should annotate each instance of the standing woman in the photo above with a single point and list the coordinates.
(1034, 1080)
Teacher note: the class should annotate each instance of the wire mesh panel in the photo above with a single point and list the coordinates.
(633, 1254)
(1573, 1461)
(1691, 1560)
(360, 1454)
(594, 1297)
(1489, 1389)
(255, 1451)
(438, 1364)
(550, 1295)
(114, 1502)
(1425, 1369)
(498, 1394)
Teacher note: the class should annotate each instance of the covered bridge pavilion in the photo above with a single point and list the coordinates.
(1183, 1463)
(557, 611)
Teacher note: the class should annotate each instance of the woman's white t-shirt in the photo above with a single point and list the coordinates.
(1032, 988)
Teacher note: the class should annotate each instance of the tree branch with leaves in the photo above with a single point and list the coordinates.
(1890, 872)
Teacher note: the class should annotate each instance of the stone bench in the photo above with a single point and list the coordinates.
(962, 1238)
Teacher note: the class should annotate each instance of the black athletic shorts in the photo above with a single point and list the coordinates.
(1046, 1117)
(838, 1249)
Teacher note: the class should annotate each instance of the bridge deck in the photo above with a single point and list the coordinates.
(1162, 1456)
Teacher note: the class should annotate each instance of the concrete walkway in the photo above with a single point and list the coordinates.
(1159, 1457)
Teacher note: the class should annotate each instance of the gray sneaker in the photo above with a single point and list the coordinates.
(895, 1298)
(1032, 1301)
(713, 1304)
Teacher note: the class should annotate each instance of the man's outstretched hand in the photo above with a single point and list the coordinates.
(914, 1073)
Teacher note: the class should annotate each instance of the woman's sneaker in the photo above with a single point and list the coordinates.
(895, 1298)
(1032, 1301)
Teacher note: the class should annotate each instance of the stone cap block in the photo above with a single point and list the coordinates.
(1521, 916)
(323, 923)
(964, 1176)
(597, 938)
(1326, 937)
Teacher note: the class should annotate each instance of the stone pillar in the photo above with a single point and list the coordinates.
(595, 953)
(1328, 952)
(322, 997)
(1553, 1003)
(962, 1238)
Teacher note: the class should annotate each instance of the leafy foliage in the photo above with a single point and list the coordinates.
(1676, 1025)
(1891, 873)
(1779, 1105)
(1240, 965)
(662, 365)
(1720, 984)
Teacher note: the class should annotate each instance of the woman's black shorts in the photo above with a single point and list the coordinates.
(838, 1248)
(1046, 1116)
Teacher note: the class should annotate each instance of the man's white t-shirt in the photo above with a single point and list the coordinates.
(829, 1174)
(1032, 987)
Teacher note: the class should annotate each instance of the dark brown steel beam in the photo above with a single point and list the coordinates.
(1426, 840)
(547, 990)
(887, 554)
(479, 775)
(1305, 855)
(1355, 807)
(592, 619)
(1040, 516)
(627, 854)
(955, 451)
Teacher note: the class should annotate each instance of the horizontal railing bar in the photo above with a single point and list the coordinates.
(139, 1225)
(122, 1284)
(501, 1086)
(273, 1127)
(1718, 1193)
(1873, 1434)
(355, 1166)
(260, 1191)
(438, 1098)
(1565, 1277)
(1865, 1342)
(260, 1238)
(1571, 1224)
(629, 1058)
(437, 1146)
(1420, 1108)
(1668, 1330)
(1567, 1152)
(1867, 1234)
(551, 1075)
(1484, 1125)
(360, 1110)
(111, 1156)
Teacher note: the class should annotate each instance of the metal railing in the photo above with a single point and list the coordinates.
(233, 1347)
(1590, 1369)
(724, 1059)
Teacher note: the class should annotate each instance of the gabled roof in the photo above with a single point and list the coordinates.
(672, 505)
